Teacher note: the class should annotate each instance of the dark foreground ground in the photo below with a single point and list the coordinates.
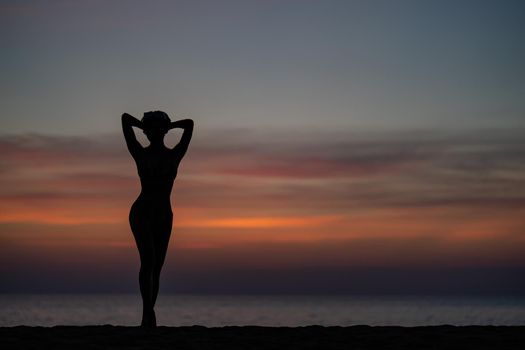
(311, 337)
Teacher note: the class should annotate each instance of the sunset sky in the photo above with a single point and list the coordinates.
(339, 146)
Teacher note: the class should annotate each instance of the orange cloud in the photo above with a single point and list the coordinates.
(267, 222)
(237, 192)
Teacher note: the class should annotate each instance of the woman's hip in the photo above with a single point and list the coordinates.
(147, 212)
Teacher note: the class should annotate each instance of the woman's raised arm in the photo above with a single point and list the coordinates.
(187, 125)
(128, 122)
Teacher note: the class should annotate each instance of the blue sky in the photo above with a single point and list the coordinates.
(74, 67)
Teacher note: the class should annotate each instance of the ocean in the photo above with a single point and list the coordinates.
(263, 310)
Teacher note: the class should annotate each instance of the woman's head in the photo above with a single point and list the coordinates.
(155, 125)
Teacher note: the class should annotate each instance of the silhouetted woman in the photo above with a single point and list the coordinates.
(151, 217)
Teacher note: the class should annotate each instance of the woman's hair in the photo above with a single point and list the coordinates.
(156, 118)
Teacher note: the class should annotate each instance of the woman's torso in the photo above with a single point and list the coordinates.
(157, 169)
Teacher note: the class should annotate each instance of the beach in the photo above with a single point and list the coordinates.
(254, 337)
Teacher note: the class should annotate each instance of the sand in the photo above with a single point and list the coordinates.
(311, 337)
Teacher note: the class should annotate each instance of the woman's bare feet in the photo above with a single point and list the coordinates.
(149, 320)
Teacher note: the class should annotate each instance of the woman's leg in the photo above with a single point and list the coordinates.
(146, 247)
(161, 247)
(146, 282)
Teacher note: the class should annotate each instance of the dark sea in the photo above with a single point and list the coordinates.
(264, 310)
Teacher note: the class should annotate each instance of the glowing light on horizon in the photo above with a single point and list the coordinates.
(267, 222)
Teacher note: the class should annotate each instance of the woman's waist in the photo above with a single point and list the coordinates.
(156, 188)
(152, 198)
